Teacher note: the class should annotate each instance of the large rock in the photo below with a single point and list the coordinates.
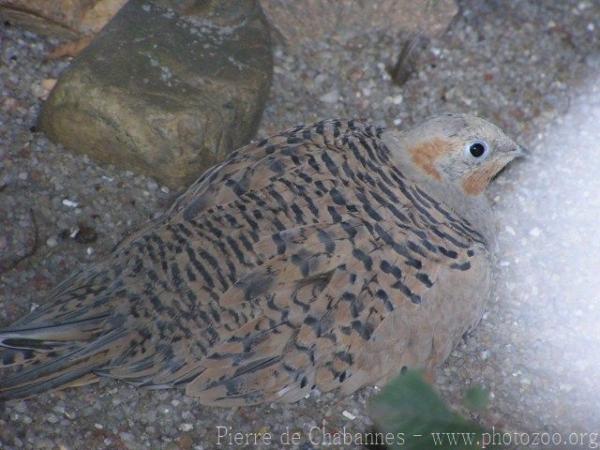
(167, 88)
(301, 21)
(62, 18)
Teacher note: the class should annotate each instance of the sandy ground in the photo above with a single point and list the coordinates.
(527, 65)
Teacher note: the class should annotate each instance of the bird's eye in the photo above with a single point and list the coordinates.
(477, 149)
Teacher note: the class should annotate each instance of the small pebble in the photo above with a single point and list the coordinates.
(348, 415)
(330, 97)
(186, 427)
(70, 203)
(127, 437)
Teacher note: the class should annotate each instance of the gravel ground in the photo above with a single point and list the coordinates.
(527, 65)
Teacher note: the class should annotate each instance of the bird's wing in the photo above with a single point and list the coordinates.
(328, 310)
(251, 168)
(115, 311)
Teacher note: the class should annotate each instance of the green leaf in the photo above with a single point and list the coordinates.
(413, 412)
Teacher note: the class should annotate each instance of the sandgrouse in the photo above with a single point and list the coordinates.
(328, 256)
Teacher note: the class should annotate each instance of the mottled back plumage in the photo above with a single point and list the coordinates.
(316, 259)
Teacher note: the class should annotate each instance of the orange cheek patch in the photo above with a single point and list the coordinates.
(476, 183)
(426, 153)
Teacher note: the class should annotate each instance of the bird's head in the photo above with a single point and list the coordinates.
(463, 150)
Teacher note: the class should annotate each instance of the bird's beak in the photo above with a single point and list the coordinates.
(521, 152)
(516, 152)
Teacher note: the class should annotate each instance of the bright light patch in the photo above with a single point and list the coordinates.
(549, 258)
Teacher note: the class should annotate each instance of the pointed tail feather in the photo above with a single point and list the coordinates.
(46, 337)
(47, 384)
(40, 361)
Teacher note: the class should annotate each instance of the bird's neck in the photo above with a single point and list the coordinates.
(474, 208)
